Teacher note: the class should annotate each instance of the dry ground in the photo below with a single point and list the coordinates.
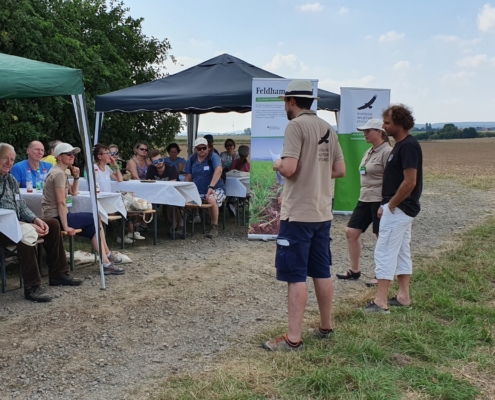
(183, 306)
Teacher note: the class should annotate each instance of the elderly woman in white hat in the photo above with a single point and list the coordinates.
(366, 212)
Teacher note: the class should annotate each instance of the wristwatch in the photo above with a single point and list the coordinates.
(211, 187)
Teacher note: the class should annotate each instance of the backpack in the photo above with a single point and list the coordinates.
(210, 163)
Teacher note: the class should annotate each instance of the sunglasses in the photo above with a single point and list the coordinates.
(114, 153)
(160, 160)
(229, 145)
(201, 148)
(68, 154)
(143, 149)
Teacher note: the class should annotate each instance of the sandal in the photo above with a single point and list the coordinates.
(349, 274)
(393, 302)
(373, 282)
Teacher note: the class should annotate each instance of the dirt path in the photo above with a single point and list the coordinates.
(179, 306)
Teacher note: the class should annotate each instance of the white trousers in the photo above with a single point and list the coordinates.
(393, 251)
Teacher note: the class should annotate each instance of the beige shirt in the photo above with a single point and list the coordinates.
(308, 193)
(57, 178)
(371, 182)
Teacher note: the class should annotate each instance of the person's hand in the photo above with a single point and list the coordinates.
(392, 209)
(380, 211)
(210, 192)
(277, 164)
(75, 171)
(70, 231)
(113, 162)
(40, 226)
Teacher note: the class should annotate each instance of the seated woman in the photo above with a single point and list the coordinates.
(159, 170)
(242, 164)
(106, 173)
(230, 155)
(173, 158)
(54, 205)
(114, 153)
(138, 165)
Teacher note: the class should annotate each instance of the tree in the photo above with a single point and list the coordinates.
(469, 133)
(247, 131)
(108, 45)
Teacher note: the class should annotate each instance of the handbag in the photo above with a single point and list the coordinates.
(134, 203)
(29, 234)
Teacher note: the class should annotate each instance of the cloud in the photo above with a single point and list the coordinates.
(314, 7)
(467, 43)
(334, 86)
(285, 61)
(391, 36)
(459, 77)
(475, 61)
(401, 66)
(199, 43)
(447, 38)
(343, 10)
(486, 19)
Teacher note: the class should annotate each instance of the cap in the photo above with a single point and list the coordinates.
(374, 123)
(65, 148)
(199, 141)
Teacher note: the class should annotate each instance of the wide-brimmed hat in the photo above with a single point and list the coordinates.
(243, 151)
(199, 141)
(299, 88)
(65, 148)
(374, 123)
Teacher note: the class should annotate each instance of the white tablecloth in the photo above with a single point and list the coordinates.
(10, 226)
(237, 186)
(107, 203)
(161, 192)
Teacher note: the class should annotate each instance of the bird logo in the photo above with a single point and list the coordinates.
(368, 104)
(324, 139)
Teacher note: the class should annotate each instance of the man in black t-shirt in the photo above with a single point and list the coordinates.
(401, 190)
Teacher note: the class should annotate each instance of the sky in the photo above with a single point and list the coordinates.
(436, 56)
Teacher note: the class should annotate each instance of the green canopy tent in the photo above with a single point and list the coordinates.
(25, 78)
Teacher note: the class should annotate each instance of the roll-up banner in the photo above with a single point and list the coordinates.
(268, 123)
(357, 106)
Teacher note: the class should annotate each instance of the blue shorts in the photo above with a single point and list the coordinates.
(82, 221)
(303, 249)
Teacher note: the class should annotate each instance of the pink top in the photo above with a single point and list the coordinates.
(245, 168)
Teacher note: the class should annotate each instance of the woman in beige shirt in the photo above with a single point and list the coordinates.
(366, 212)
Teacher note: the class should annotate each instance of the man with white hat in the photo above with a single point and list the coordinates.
(311, 158)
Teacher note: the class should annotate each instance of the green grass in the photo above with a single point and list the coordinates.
(422, 353)
(262, 181)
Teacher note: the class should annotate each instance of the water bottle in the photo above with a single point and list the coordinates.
(29, 181)
(97, 179)
(39, 181)
(43, 176)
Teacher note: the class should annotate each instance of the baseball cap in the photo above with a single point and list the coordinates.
(374, 123)
(199, 141)
(65, 148)
(209, 137)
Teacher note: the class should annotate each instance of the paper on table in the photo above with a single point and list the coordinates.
(280, 178)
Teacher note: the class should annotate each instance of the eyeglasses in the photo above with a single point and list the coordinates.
(160, 160)
(104, 154)
(68, 154)
(143, 149)
(114, 153)
(201, 148)
(229, 145)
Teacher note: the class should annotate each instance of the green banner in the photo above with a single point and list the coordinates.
(347, 188)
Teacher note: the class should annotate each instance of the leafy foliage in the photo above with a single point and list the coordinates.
(449, 131)
(108, 45)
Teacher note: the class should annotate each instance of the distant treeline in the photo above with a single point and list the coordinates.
(450, 131)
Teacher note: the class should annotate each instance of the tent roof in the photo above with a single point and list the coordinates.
(222, 84)
(22, 77)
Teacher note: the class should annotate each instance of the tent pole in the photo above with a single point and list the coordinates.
(82, 122)
(98, 126)
(192, 131)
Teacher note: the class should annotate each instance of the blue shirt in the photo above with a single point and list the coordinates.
(19, 172)
(176, 162)
(203, 173)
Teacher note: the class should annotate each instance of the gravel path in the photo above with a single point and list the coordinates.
(179, 306)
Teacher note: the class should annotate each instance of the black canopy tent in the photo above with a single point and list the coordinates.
(222, 84)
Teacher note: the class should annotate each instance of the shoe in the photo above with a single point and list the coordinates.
(196, 219)
(111, 270)
(350, 275)
(114, 258)
(65, 280)
(322, 335)
(127, 240)
(232, 210)
(393, 302)
(36, 293)
(137, 236)
(372, 283)
(213, 232)
(281, 343)
(373, 308)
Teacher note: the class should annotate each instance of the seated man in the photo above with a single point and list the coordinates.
(206, 171)
(35, 152)
(48, 229)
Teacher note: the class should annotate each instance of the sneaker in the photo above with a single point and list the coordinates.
(114, 258)
(111, 270)
(127, 240)
(196, 219)
(322, 335)
(373, 308)
(137, 236)
(36, 293)
(65, 280)
(213, 232)
(232, 210)
(281, 343)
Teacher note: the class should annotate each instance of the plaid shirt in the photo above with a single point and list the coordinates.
(9, 189)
